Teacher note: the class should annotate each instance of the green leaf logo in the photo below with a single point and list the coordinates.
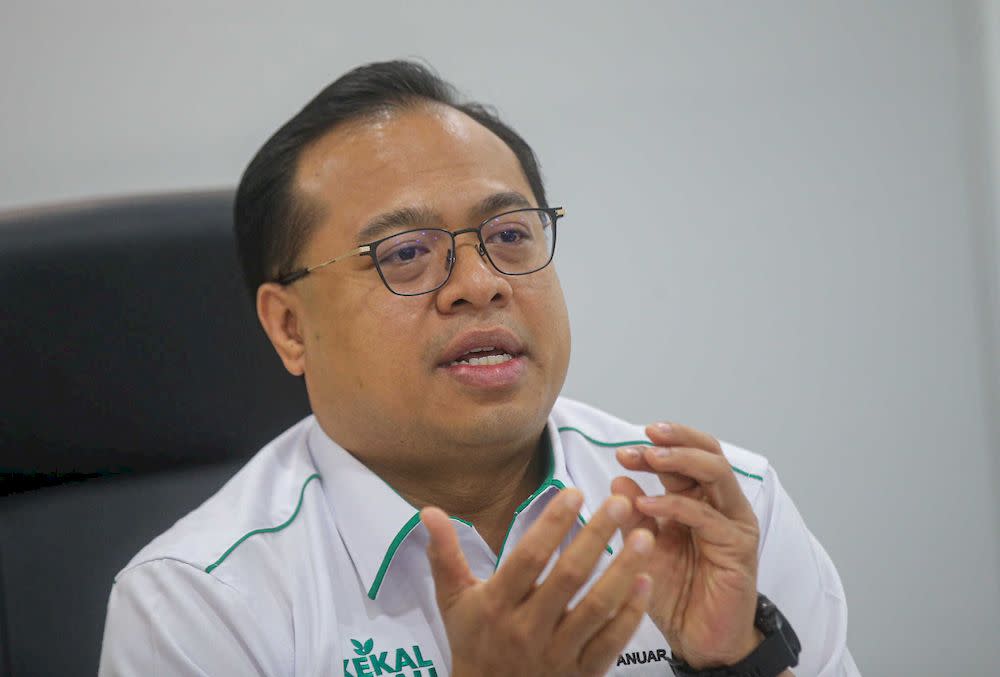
(362, 649)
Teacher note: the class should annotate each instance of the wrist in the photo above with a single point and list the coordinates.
(744, 649)
(771, 657)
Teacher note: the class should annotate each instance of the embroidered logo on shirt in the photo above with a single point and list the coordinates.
(403, 662)
(639, 657)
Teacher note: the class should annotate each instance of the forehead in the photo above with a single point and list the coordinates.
(429, 156)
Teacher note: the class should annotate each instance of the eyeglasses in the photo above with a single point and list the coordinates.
(420, 261)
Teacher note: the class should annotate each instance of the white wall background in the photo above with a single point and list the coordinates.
(805, 189)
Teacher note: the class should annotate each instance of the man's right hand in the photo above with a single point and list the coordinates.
(510, 625)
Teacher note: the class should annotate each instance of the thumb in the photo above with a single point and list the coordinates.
(451, 572)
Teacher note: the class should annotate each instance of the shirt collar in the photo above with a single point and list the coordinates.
(374, 521)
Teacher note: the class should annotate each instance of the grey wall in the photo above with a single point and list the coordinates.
(781, 227)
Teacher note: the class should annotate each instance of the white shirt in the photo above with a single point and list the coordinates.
(307, 563)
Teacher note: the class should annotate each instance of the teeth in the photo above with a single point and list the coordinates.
(482, 350)
(484, 361)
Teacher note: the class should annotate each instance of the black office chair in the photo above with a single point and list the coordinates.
(135, 381)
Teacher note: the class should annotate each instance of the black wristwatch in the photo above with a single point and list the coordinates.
(779, 650)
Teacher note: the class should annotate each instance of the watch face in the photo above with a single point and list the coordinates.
(768, 618)
(770, 621)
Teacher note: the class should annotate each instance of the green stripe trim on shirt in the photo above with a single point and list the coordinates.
(629, 443)
(393, 547)
(268, 530)
(625, 443)
(410, 525)
(546, 483)
(401, 535)
(549, 482)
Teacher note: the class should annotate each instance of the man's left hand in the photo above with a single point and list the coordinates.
(704, 562)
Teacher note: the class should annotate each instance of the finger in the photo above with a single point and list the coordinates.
(602, 650)
(449, 568)
(677, 435)
(634, 458)
(668, 534)
(574, 567)
(705, 522)
(516, 578)
(711, 471)
(630, 489)
(603, 601)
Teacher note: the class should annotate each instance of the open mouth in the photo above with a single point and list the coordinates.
(490, 358)
(483, 357)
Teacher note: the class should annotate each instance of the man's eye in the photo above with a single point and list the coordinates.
(510, 235)
(403, 254)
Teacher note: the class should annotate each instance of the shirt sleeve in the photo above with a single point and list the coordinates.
(166, 617)
(797, 574)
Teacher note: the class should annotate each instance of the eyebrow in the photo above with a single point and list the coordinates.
(498, 202)
(414, 217)
(398, 219)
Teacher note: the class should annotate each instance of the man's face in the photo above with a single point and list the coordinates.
(378, 366)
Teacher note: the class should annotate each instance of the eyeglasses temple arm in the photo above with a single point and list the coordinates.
(299, 274)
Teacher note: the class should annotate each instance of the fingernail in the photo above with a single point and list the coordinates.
(646, 500)
(642, 542)
(664, 428)
(662, 452)
(631, 453)
(643, 587)
(618, 509)
(572, 499)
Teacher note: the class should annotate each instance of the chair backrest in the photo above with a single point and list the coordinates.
(135, 379)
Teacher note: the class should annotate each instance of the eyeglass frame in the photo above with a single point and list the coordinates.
(368, 249)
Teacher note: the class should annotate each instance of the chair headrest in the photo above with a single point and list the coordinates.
(128, 341)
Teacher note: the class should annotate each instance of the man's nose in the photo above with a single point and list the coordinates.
(474, 281)
(477, 247)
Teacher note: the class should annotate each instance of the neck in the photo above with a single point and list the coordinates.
(482, 493)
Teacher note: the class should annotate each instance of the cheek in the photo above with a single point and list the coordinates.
(343, 333)
(385, 335)
(545, 306)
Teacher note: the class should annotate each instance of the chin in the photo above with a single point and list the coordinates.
(500, 423)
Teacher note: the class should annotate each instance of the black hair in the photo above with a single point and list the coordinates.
(272, 225)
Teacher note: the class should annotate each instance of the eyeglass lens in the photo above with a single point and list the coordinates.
(418, 261)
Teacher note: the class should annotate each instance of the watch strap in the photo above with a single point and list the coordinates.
(778, 652)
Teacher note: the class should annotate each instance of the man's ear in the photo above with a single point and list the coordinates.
(280, 313)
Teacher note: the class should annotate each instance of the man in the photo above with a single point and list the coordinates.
(444, 511)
